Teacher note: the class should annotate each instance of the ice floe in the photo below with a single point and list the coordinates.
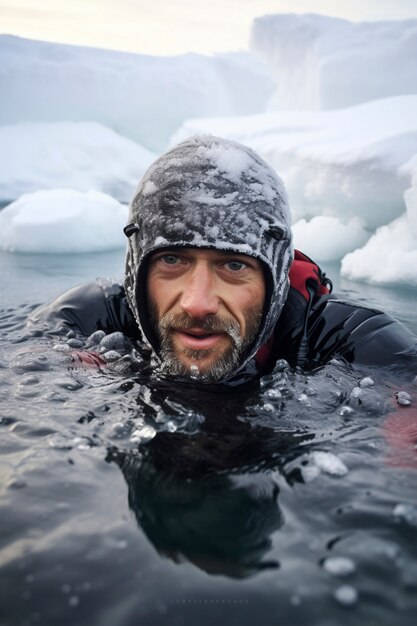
(62, 220)
(82, 156)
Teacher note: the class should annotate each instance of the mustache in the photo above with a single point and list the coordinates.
(211, 323)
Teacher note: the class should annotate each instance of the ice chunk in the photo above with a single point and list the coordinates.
(366, 382)
(341, 237)
(82, 156)
(95, 338)
(115, 341)
(63, 221)
(111, 356)
(367, 399)
(390, 255)
(403, 398)
(75, 343)
(329, 463)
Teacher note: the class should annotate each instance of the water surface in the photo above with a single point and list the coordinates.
(130, 500)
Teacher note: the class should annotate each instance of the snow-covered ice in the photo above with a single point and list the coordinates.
(351, 172)
(63, 220)
(82, 156)
(323, 62)
(340, 237)
(141, 97)
(390, 255)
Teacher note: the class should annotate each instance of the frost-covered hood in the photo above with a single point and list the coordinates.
(209, 192)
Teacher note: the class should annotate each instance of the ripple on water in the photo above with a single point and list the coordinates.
(80, 489)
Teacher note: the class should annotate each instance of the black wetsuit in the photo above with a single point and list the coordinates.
(330, 328)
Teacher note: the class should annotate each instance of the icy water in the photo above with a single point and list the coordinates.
(127, 500)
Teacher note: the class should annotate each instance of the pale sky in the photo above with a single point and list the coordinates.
(169, 27)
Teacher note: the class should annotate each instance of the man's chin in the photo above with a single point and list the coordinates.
(202, 361)
(204, 365)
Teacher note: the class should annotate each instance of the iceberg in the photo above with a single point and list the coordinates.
(144, 98)
(322, 62)
(77, 155)
(63, 221)
(332, 107)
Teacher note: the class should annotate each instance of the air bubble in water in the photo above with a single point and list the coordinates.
(339, 566)
(346, 595)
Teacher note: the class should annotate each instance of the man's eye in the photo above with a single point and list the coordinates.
(235, 266)
(169, 259)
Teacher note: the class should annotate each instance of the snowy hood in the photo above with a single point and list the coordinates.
(209, 192)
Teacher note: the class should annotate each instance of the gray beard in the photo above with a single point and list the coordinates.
(227, 360)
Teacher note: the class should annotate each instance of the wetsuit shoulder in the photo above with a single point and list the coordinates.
(360, 335)
(334, 328)
(97, 305)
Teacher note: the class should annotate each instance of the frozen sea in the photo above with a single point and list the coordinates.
(128, 501)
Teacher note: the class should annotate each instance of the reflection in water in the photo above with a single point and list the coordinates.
(211, 496)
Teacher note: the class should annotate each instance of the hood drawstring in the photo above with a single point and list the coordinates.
(311, 287)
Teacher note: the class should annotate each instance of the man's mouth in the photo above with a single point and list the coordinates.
(198, 338)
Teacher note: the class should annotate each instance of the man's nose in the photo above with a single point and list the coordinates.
(198, 298)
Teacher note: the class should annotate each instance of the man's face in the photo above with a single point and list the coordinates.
(206, 306)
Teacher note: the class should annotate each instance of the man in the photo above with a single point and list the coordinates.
(212, 284)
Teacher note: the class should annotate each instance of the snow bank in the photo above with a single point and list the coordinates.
(63, 220)
(80, 156)
(142, 97)
(343, 163)
(390, 256)
(323, 62)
